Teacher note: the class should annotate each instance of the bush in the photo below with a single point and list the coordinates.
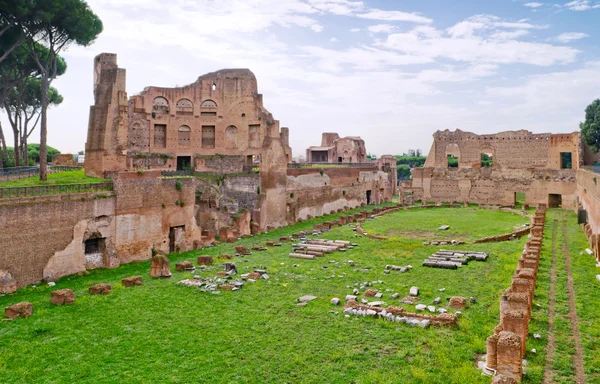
(178, 185)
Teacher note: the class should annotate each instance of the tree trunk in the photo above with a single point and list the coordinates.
(3, 150)
(25, 151)
(44, 128)
(16, 147)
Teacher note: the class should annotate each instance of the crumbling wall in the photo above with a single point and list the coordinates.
(43, 237)
(521, 162)
(106, 145)
(588, 192)
(315, 192)
(219, 163)
(148, 206)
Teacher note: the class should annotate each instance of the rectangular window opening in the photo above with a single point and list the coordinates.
(160, 135)
(566, 160)
(452, 161)
(208, 136)
(93, 246)
(486, 160)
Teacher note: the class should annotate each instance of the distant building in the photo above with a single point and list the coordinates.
(80, 159)
(333, 149)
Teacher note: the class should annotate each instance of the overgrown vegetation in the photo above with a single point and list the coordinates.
(33, 155)
(590, 127)
(70, 177)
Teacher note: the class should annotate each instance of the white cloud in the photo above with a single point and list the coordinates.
(417, 69)
(533, 5)
(487, 22)
(480, 39)
(571, 36)
(581, 5)
(378, 14)
(569, 91)
(509, 35)
(382, 28)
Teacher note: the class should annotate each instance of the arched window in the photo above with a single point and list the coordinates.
(231, 137)
(184, 136)
(208, 104)
(160, 105)
(185, 107)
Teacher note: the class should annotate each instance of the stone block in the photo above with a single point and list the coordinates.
(182, 266)
(8, 284)
(457, 302)
(62, 297)
(132, 281)
(160, 266)
(22, 309)
(99, 289)
(205, 260)
(242, 250)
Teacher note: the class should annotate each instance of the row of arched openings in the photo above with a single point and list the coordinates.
(161, 105)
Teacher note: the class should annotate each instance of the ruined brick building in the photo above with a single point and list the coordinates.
(492, 169)
(334, 149)
(218, 123)
(217, 127)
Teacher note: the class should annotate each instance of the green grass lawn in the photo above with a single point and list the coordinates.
(166, 332)
(70, 177)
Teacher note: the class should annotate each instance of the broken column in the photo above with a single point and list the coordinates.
(160, 266)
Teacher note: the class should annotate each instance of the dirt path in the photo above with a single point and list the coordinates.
(575, 333)
(551, 346)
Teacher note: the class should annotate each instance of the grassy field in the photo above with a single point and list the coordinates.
(70, 177)
(165, 332)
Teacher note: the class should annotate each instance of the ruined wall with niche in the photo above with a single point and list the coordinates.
(148, 206)
(43, 237)
(521, 162)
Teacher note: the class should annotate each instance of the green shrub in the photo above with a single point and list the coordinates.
(178, 185)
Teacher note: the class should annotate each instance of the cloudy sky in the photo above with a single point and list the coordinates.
(391, 71)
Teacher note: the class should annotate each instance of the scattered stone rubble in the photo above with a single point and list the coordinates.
(309, 249)
(449, 259)
(399, 315)
(443, 242)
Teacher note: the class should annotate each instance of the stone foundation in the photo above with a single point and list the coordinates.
(507, 346)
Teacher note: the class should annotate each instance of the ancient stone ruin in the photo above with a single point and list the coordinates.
(492, 169)
(334, 149)
(506, 347)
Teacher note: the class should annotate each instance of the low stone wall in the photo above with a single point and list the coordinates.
(588, 191)
(506, 347)
(507, 236)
